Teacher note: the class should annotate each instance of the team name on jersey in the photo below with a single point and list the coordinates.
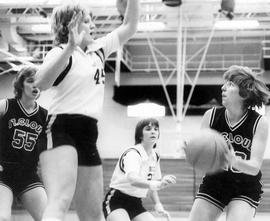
(237, 139)
(13, 122)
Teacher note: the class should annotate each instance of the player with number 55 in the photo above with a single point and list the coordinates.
(22, 124)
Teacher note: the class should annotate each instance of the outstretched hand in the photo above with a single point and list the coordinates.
(167, 180)
(74, 37)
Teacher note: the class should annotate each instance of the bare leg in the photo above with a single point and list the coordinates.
(59, 174)
(204, 210)
(5, 203)
(89, 193)
(240, 211)
(35, 201)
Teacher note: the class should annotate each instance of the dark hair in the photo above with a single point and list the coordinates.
(61, 16)
(24, 73)
(139, 128)
(251, 88)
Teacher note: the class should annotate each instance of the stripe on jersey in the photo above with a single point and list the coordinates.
(256, 124)
(121, 161)
(49, 131)
(64, 73)
(212, 116)
(25, 111)
(100, 54)
(158, 157)
(238, 124)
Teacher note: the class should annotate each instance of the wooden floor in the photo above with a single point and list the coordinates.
(180, 196)
(21, 215)
(178, 199)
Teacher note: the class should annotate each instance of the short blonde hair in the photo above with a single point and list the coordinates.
(60, 19)
(254, 90)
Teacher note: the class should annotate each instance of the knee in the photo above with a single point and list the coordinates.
(90, 215)
(60, 204)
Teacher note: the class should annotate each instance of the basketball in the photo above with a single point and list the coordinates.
(206, 151)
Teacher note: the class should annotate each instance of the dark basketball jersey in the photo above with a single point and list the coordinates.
(21, 135)
(239, 135)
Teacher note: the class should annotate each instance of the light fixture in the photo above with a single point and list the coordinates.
(41, 28)
(237, 24)
(146, 109)
(151, 26)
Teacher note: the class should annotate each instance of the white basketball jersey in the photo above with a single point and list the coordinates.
(79, 89)
(135, 159)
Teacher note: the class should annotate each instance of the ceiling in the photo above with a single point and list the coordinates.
(189, 31)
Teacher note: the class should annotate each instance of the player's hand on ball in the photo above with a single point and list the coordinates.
(230, 157)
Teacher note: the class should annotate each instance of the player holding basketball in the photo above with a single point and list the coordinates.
(239, 185)
(74, 69)
(137, 172)
(22, 124)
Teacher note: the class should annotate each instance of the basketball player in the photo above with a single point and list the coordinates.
(136, 172)
(22, 124)
(74, 69)
(238, 187)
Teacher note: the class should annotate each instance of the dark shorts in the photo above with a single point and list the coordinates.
(115, 199)
(18, 179)
(221, 191)
(78, 131)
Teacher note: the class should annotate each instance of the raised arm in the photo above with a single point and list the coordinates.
(130, 23)
(57, 59)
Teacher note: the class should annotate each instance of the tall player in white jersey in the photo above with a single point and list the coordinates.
(136, 173)
(74, 69)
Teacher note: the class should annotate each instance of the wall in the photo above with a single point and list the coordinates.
(117, 130)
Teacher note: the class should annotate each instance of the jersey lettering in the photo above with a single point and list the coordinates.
(237, 139)
(22, 139)
(26, 123)
(151, 172)
(99, 76)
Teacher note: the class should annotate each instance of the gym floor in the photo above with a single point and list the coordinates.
(22, 215)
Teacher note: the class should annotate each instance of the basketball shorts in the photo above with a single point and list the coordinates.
(78, 131)
(18, 179)
(221, 192)
(115, 199)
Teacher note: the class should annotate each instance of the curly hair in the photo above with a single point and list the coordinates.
(254, 90)
(25, 72)
(61, 16)
(139, 128)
